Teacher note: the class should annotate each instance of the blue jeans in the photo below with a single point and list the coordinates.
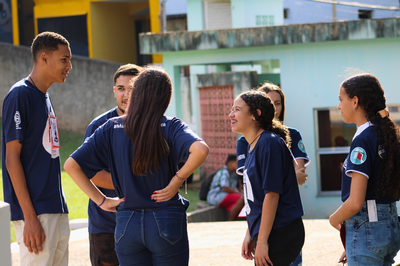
(373, 243)
(152, 237)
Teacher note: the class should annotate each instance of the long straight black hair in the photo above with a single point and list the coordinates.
(150, 97)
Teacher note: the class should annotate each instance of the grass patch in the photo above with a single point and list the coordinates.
(77, 200)
(192, 196)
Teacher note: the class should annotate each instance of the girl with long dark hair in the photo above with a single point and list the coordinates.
(142, 151)
(273, 207)
(370, 177)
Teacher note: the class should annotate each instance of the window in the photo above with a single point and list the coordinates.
(73, 28)
(218, 15)
(364, 14)
(286, 13)
(333, 144)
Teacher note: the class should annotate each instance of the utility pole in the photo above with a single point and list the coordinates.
(334, 10)
(163, 16)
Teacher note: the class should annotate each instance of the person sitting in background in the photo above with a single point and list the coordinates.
(223, 189)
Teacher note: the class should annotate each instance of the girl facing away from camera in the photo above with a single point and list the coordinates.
(273, 206)
(142, 150)
(370, 175)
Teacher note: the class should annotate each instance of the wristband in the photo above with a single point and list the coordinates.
(104, 199)
(182, 179)
(262, 242)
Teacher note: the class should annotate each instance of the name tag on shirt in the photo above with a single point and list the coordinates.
(53, 132)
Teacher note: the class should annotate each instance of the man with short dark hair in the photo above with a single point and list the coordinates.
(101, 223)
(30, 156)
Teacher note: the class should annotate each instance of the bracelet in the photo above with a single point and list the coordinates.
(182, 179)
(104, 199)
(258, 241)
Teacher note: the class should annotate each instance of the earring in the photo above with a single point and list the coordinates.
(254, 118)
(354, 108)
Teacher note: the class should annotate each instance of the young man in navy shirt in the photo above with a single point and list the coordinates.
(30, 156)
(102, 223)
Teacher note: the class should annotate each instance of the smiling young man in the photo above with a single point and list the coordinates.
(101, 223)
(30, 156)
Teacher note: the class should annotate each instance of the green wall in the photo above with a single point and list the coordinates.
(310, 77)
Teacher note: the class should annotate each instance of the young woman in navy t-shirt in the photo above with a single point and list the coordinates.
(370, 177)
(301, 159)
(273, 207)
(142, 150)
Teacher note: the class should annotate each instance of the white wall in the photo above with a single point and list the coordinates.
(5, 239)
(314, 12)
(256, 13)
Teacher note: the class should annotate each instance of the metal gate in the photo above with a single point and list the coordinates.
(215, 105)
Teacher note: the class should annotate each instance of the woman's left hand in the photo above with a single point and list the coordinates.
(261, 255)
(168, 192)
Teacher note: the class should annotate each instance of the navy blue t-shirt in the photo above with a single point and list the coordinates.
(26, 113)
(101, 221)
(269, 168)
(110, 148)
(365, 157)
(242, 148)
(297, 148)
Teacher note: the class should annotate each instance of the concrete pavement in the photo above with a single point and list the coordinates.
(219, 243)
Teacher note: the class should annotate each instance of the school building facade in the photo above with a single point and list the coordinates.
(309, 61)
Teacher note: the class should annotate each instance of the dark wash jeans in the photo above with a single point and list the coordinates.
(152, 237)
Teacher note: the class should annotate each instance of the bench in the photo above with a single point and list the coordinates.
(205, 212)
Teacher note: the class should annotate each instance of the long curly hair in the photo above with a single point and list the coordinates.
(259, 100)
(372, 99)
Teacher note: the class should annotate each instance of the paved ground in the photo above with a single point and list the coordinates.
(219, 243)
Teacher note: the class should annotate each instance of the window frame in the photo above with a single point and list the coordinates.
(395, 116)
(325, 151)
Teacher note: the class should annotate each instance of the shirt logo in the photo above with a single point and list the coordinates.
(163, 124)
(301, 146)
(358, 155)
(118, 126)
(241, 157)
(17, 119)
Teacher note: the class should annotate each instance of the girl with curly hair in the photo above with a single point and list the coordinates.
(273, 206)
(370, 177)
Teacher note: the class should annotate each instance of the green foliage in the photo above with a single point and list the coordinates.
(70, 141)
(192, 196)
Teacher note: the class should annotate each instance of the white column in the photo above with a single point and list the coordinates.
(5, 238)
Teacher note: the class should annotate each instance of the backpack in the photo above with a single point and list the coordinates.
(205, 185)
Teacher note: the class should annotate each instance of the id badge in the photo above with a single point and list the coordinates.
(372, 212)
(54, 136)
